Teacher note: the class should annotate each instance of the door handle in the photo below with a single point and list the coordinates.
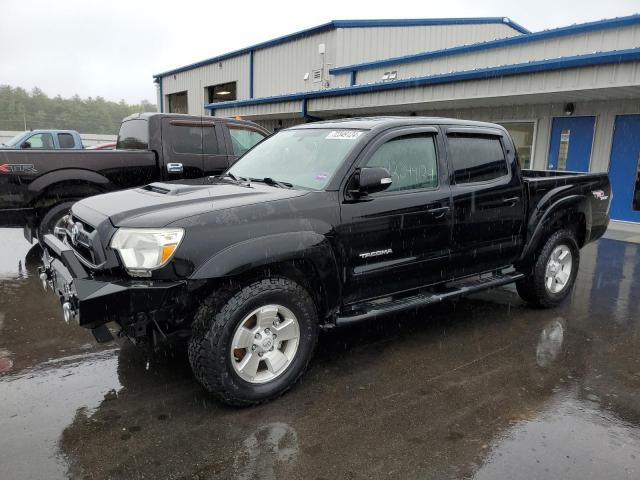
(438, 212)
(174, 168)
(511, 200)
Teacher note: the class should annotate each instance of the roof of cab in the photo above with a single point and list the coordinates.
(370, 123)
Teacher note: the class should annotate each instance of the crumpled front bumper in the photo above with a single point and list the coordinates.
(133, 304)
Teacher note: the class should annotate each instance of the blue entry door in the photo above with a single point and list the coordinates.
(624, 170)
(570, 145)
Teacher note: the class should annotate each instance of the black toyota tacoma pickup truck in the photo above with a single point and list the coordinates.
(320, 225)
(38, 186)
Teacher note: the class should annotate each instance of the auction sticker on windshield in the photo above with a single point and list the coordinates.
(343, 134)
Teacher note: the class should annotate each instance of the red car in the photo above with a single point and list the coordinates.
(103, 146)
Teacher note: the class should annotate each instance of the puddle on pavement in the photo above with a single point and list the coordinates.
(482, 388)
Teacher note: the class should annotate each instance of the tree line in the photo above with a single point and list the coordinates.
(23, 110)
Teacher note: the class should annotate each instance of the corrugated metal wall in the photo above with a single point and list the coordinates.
(583, 43)
(357, 45)
(195, 81)
(280, 69)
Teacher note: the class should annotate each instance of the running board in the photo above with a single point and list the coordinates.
(375, 308)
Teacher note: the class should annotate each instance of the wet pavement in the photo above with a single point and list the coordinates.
(484, 388)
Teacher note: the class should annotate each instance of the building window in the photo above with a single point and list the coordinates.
(178, 102)
(522, 134)
(222, 92)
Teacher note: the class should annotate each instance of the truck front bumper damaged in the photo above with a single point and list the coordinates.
(135, 305)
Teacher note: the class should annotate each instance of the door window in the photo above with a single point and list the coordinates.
(186, 139)
(244, 139)
(563, 151)
(41, 141)
(636, 190)
(411, 161)
(476, 158)
(66, 140)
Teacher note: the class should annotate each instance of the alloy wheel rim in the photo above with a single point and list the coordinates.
(265, 343)
(558, 269)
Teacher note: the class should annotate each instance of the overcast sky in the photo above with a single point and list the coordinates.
(112, 48)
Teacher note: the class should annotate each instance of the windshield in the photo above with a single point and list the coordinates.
(15, 140)
(305, 158)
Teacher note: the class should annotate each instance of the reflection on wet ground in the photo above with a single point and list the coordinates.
(484, 388)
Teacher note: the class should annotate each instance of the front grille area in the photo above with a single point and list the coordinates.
(83, 239)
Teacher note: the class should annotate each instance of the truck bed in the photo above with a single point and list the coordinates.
(545, 187)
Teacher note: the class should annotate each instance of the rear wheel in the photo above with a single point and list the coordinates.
(554, 271)
(255, 344)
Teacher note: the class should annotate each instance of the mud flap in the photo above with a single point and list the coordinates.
(102, 334)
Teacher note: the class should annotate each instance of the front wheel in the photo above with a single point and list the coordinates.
(554, 272)
(53, 218)
(254, 345)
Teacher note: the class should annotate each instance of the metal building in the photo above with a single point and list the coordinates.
(569, 96)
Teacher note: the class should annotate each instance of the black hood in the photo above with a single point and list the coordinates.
(159, 204)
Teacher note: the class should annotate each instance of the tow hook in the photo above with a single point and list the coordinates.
(45, 277)
(68, 311)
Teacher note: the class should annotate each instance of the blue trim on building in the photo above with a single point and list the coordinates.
(502, 42)
(251, 74)
(600, 58)
(161, 95)
(332, 25)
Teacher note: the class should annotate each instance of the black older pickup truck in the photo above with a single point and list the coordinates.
(320, 225)
(38, 186)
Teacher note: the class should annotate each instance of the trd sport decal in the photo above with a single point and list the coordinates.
(17, 168)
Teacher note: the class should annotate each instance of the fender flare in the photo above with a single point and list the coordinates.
(270, 249)
(540, 225)
(47, 180)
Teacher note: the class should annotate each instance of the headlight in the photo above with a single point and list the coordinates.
(145, 249)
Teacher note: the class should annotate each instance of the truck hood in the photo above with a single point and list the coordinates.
(159, 204)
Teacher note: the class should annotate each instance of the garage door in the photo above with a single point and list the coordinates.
(624, 169)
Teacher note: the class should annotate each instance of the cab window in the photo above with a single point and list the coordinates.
(243, 139)
(476, 158)
(411, 161)
(43, 141)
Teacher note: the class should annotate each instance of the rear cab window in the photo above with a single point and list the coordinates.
(133, 135)
(476, 158)
(66, 140)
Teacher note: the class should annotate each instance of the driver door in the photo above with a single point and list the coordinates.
(399, 238)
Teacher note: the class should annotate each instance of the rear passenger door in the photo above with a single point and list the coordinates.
(488, 203)
(182, 148)
(399, 238)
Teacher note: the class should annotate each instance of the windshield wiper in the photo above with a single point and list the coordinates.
(239, 180)
(271, 181)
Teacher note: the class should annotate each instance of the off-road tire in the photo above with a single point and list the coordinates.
(532, 288)
(212, 332)
(53, 215)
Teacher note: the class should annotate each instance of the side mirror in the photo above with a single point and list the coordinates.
(372, 179)
(25, 145)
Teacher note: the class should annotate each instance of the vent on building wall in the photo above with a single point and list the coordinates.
(392, 75)
(316, 75)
